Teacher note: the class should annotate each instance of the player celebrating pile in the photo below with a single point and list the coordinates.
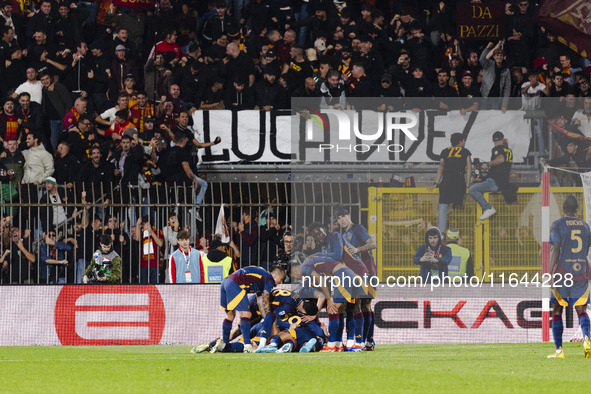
(570, 238)
(298, 333)
(234, 298)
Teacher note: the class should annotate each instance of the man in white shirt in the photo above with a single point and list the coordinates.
(531, 91)
(107, 118)
(582, 118)
(31, 86)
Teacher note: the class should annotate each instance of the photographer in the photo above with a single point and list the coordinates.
(287, 255)
(432, 256)
(105, 266)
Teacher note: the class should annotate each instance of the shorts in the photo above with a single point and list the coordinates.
(452, 189)
(254, 309)
(358, 267)
(577, 294)
(233, 297)
(343, 289)
(372, 291)
(301, 335)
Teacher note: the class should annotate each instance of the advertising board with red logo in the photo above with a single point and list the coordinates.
(190, 314)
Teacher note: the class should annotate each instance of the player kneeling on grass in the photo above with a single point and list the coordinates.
(570, 238)
(105, 266)
(299, 335)
(233, 297)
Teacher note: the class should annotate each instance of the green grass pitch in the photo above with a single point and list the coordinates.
(390, 368)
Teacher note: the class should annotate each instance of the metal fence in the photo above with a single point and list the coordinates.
(508, 242)
(30, 215)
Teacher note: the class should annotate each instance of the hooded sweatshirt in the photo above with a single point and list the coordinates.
(38, 164)
(441, 252)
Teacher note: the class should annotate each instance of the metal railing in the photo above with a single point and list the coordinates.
(81, 215)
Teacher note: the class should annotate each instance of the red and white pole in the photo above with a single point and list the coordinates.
(545, 253)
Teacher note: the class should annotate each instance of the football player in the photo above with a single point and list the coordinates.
(233, 298)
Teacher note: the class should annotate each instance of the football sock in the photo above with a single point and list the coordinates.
(319, 345)
(226, 328)
(275, 341)
(341, 327)
(350, 322)
(267, 326)
(359, 323)
(366, 321)
(371, 325)
(557, 329)
(245, 329)
(333, 326)
(585, 324)
(212, 343)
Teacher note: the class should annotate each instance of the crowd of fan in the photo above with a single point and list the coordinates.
(94, 59)
(63, 246)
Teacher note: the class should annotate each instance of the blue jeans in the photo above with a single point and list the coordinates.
(152, 277)
(56, 128)
(80, 268)
(442, 223)
(477, 189)
(300, 14)
(201, 191)
(237, 6)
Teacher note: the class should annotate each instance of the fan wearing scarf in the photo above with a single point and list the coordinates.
(433, 256)
(105, 266)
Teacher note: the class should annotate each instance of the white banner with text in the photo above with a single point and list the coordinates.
(353, 136)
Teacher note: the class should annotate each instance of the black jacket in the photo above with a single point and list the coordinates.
(269, 94)
(132, 166)
(95, 180)
(66, 169)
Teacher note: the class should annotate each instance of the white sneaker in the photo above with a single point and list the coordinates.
(198, 216)
(488, 213)
(285, 348)
(218, 347)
